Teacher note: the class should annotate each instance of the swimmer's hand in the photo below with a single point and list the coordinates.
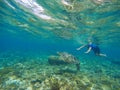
(86, 52)
(78, 48)
(81, 47)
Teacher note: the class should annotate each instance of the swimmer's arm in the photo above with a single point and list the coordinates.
(81, 47)
(88, 50)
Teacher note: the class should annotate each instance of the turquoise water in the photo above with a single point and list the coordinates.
(33, 30)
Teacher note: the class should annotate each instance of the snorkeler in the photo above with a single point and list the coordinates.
(93, 47)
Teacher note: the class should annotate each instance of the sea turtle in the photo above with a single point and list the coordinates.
(64, 58)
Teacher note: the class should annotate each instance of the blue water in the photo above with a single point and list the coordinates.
(32, 29)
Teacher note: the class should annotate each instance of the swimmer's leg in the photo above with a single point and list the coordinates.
(104, 55)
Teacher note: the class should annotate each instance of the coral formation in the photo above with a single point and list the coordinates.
(34, 74)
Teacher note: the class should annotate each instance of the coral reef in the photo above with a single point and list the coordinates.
(34, 74)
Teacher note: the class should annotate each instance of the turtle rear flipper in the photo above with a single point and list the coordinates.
(78, 66)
